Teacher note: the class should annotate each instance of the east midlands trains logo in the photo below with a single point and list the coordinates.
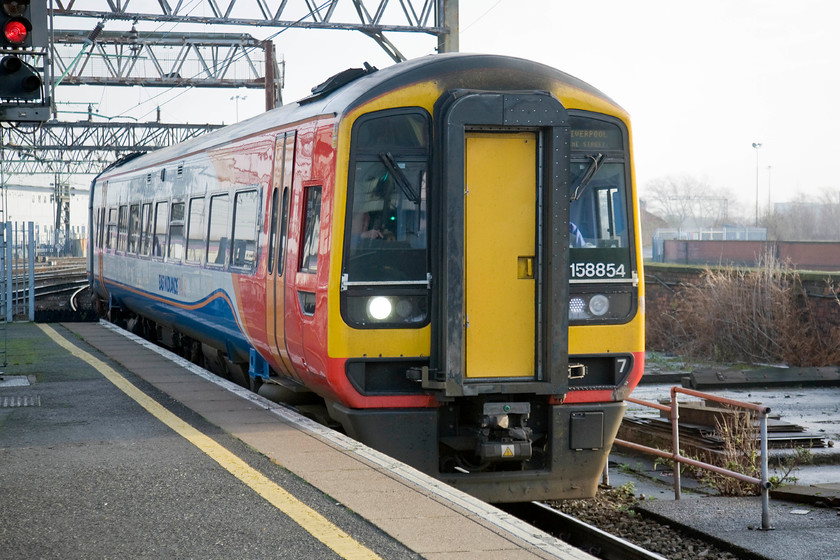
(168, 284)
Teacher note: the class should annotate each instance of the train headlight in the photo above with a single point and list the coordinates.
(599, 304)
(577, 308)
(389, 310)
(379, 308)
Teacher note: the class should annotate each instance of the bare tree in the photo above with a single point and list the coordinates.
(685, 201)
(806, 218)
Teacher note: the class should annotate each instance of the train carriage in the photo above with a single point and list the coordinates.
(444, 252)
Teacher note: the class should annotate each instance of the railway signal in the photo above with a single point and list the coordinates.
(23, 43)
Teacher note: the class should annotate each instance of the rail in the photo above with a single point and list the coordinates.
(577, 533)
(674, 415)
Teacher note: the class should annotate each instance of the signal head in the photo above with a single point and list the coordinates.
(10, 64)
(18, 80)
(16, 30)
(16, 24)
(15, 8)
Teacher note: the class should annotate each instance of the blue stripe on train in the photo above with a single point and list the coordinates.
(210, 319)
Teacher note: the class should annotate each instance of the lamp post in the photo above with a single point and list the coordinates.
(236, 98)
(757, 146)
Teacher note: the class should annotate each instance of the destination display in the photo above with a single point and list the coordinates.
(591, 134)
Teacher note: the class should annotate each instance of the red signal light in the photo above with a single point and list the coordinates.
(15, 31)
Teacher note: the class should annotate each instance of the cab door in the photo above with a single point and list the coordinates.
(500, 206)
(500, 290)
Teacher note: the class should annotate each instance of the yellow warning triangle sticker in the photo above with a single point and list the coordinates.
(507, 451)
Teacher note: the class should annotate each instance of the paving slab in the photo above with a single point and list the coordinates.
(446, 522)
(798, 532)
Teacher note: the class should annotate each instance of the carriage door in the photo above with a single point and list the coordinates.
(284, 149)
(500, 205)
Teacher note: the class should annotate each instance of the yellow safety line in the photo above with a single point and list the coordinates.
(313, 522)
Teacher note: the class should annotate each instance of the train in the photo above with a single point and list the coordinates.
(442, 256)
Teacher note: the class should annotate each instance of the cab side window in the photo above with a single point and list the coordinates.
(311, 230)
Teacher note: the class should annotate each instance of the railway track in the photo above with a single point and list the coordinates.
(581, 535)
(66, 276)
(671, 543)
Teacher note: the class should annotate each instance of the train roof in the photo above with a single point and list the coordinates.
(340, 94)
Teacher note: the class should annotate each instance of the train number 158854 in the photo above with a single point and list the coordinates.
(597, 270)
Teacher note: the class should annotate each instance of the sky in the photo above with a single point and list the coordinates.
(702, 81)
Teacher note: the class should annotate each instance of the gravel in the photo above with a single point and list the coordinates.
(612, 510)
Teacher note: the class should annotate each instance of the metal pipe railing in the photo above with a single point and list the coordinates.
(673, 412)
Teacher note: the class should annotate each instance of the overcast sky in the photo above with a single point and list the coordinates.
(702, 81)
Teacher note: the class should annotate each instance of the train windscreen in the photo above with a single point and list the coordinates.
(387, 238)
(385, 280)
(601, 274)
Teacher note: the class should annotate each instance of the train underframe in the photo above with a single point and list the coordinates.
(499, 448)
(492, 448)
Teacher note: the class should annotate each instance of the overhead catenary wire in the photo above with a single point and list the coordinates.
(314, 10)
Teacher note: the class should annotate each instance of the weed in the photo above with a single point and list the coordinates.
(789, 464)
(739, 434)
(626, 490)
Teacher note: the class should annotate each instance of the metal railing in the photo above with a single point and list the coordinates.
(17, 270)
(673, 412)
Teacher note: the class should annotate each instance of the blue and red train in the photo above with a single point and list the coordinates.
(445, 253)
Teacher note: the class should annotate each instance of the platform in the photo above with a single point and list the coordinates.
(116, 448)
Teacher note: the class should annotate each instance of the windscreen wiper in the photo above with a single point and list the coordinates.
(587, 175)
(399, 177)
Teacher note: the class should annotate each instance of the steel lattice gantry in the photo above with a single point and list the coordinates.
(371, 17)
(84, 147)
(163, 59)
(197, 60)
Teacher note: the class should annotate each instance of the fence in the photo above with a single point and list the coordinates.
(673, 412)
(17, 262)
(726, 233)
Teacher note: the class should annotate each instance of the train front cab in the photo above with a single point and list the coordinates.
(492, 293)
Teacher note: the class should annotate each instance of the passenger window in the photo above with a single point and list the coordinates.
(134, 228)
(245, 229)
(176, 232)
(161, 223)
(122, 227)
(112, 228)
(195, 231)
(146, 226)
(219, 228)
(311, 231)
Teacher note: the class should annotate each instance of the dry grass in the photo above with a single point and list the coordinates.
(740, 454)
(755, 315)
